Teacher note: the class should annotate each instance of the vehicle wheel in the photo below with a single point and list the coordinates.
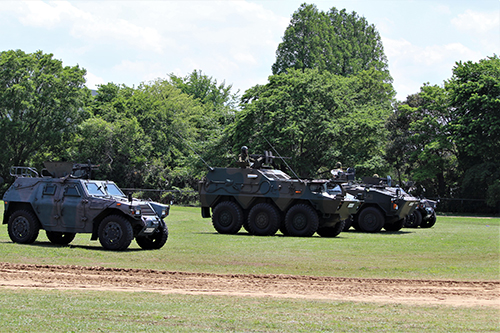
(396, 226)
(331, 231)
(227, 217)
(115, 233)
(430, 222)
(301, 220)
(413, 220)
(154, 241)
(263, 220)
(370, 219)
(23, 227)
(354, 222)
(348, 223)
(60, 238)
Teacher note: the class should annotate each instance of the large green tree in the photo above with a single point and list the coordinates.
(474, 91)
(337, 41)
(419, 146)
(41, 104)
(317, 118)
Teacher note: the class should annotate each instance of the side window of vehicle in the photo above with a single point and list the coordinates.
(72, 191)
(49, 190)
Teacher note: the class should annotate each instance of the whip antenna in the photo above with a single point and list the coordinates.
(279, 156)
(194, 151)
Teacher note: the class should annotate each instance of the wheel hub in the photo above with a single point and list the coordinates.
(113, 232)
(226, 219)
(299, 221)
(262, 220)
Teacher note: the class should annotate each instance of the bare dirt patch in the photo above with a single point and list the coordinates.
(443, 292)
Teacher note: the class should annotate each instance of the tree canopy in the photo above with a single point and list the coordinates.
(41, 104)
(317, 118)
(339, 42)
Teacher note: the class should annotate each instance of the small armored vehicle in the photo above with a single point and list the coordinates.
(424, 216)
(63, 203)
(382, 206)
(265, 200)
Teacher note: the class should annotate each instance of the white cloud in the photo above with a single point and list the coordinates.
(93, 81)
(411, 65)
(477, 22)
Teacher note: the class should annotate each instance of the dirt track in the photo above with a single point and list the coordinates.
(444, 292)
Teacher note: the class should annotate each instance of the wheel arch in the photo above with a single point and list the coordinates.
(15, 206)
(105, 213)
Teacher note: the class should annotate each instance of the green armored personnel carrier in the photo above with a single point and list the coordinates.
(63, 203)
(383, 206)
(264, 200)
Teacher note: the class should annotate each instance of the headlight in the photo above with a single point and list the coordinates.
(163, 213)
(135, 211)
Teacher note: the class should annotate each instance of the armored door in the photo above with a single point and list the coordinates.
(73, 208)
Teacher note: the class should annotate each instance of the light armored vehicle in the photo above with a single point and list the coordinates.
(424, 216)
(383, 206)
(62, 203)
(265, 200)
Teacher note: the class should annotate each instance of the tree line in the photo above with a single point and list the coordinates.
(330, 98)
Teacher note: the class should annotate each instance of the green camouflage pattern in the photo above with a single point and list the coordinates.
(393, 204)
(247, 187)
(71, 205)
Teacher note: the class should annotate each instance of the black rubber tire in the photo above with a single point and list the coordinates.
(263, 219)
(370, 219)
(23, 227)
(154, 241)
(396, 226)
(413, 220)
(227, 217)
(60, 238)
(429, 222)
(283, 228)
(301, 220)
(348, 223)
(354, 222)
(331, 231)
(115, 233)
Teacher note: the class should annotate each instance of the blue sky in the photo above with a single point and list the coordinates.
(129, 42)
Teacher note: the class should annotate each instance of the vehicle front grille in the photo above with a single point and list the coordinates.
(147, 210)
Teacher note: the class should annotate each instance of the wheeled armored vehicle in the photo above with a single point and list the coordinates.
(265, 200)
(63, 203)
(383, 206)
(424, 216)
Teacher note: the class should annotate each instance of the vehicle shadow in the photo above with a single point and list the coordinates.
(47, 244)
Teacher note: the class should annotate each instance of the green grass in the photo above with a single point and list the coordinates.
(91, 311)
(455, 248)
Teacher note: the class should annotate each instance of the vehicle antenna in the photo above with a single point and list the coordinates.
(194, 151)
(279, 156)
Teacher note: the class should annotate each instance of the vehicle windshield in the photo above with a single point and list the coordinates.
(95, 189)
(112, 189)
(102, 189)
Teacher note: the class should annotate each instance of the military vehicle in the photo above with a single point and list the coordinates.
(424, 216)
(264, 200)
(63, 202)
(383, 206)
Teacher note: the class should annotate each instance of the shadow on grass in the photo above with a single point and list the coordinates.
(382, 232)
(71, 246)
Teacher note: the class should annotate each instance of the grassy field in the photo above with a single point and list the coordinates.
(455, 248)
